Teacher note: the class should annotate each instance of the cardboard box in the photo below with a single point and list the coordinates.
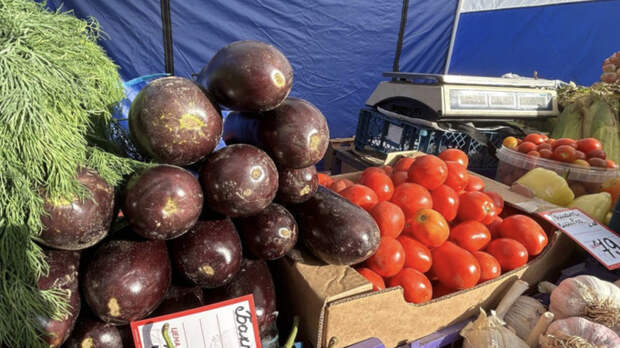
(338, 308)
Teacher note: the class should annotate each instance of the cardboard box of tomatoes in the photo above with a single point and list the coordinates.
(341, 305)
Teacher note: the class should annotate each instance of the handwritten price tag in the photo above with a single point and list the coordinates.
(228, 324)
(598, 240)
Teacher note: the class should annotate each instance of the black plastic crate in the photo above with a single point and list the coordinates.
(378, 134)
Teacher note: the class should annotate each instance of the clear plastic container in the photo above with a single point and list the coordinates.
(513, 165)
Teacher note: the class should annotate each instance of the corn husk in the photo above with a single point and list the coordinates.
(489, 331)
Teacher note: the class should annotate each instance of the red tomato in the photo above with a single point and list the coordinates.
(440, 290)
(489, 266)
(476, 206)
(588, 144)
(429, 227)
(611, 164)
(544, 146)
(429, 171)
(457, 176)
(534, 153)
(470, 235)
(474, 183)
(399, 177)
(498, 201)
(509, 253)
(389, 217)
(550, 141)
(324, 179)
(389, 258)
(597, 162)
(546, 153)
(416, 286)
(375, 279)
(534, 138)
(455, 267)
(388, 170)
(404, 163)
(526, 231)
(580, 155)
(368, 171)
(545, 138)
(411, 198)
(445, 201)
(360, 195)
(455, 155)
(380, 183)
(493, 227)
(417, 255)
(340, 185)
(596, 154)
(526, 147)
(564, 153)
(564, 141)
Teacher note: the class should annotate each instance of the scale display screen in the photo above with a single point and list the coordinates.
(470, 99)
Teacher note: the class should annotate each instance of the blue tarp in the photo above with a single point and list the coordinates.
(565, 41)
(338, 49)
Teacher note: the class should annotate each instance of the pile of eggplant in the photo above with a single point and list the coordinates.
(200, 225)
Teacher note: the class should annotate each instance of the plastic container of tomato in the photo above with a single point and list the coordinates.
(514, 164)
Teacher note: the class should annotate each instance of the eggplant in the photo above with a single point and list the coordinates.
(172, 121)
(239, 180)
(209, 254)
(270, 234)
(248, 76)
(254, 278)
(335, 230)
(80, 223)
(93, 333)
(63, 275)
(162, 202)
(126, 280)
(295, 134)
(180, 298)
(297, 185)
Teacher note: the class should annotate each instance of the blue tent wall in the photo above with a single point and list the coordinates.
(338, 49)
(567, 41)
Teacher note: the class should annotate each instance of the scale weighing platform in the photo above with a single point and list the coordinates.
(465, 98)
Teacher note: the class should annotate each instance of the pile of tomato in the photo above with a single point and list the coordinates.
(587, 152)
(440, 231)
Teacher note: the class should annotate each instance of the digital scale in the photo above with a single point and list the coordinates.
(434, 97)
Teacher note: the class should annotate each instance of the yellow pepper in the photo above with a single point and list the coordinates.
(597, 205)
(548, 185)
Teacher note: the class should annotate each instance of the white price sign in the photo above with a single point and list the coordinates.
(228, 324)
(602, 243)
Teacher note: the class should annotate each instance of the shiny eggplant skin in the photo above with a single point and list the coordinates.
(297, 185)
(80, 223)
(93, 333)
(180, 298)
(163, 202)
(172, 121)
(254, 278)
(335, 230)
(209, 254)
(270, 234)
(239, 180)
(126, 280)
(248, 76)
(295, 134)
(63, 274)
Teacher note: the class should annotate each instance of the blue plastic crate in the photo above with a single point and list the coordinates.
(379, 134)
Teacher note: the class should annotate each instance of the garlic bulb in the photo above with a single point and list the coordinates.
(523, 315)
(589, 297)
(490, 332)
(576, 332)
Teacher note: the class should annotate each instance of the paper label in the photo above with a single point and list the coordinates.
(228, 324)
(602, 243)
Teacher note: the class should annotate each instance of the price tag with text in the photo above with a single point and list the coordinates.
(228, 324)
(602, 243)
